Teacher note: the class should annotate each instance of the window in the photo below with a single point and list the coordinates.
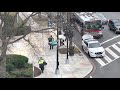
(86, 43)
(94, 45)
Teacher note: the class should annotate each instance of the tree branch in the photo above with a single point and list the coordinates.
(23, 23)
(40, 31)
(16, 39)
(29, 42)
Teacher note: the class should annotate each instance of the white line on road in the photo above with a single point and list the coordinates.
(112, 53)
(118, 43)
(107, 59)
(116, 48)
(100, 62)
(110, 39)
(90, 76)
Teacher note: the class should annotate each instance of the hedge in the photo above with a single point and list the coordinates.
(15, 61)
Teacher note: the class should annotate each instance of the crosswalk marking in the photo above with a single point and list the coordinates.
(100, 61)
(118, 43)
(112, 53)
(116, 48)
(107, 58)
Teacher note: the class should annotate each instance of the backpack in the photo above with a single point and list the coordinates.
(49, 39)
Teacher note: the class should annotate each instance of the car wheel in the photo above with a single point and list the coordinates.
(89, 54)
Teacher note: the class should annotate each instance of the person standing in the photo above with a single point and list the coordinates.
(50, 40)
(41, 63)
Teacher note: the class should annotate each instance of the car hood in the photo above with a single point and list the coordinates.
(99, 49)
(117, 26)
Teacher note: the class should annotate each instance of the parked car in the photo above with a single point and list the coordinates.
(114, 25)
(92, 47)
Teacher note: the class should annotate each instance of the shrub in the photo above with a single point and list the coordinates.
(27, 73)
(17, 67)
(9, 67)
(16, 73)
(17, 60)
(22, 73)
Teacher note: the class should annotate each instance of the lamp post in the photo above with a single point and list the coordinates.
(68, 18)
(57, 61)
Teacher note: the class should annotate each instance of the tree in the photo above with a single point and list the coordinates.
(9, 28)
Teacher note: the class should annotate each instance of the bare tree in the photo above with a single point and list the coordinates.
(9, 28)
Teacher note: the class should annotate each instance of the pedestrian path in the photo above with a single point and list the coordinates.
(112, 54)
(78, 67)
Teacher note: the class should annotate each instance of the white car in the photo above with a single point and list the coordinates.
(92, 47)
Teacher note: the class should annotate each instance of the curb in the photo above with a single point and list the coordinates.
(92, 71)
(93, 66)
(88, 60)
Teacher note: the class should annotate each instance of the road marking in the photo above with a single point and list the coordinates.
(116, 48)
(107, 58)
(118, 43)
(90, 76)
(112, 53)
(100, 62)
(110, 39)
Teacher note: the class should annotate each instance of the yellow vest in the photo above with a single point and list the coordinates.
(40, 61)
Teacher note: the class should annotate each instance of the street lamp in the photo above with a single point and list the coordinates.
(57, 61)
(68, 18)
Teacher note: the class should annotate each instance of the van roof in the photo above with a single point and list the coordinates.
(87, 16)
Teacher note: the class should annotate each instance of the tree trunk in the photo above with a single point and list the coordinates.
(3, 51)
(3, 60)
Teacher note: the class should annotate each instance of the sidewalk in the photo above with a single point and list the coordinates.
(78, 67)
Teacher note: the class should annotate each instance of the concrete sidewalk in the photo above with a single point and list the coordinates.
(78, 67)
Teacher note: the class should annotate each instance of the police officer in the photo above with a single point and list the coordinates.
(41, 63)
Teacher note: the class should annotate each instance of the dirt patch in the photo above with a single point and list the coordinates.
(37, 71)
(64, 50)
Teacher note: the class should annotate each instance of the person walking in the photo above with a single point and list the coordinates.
(50, 40)
(41, 63)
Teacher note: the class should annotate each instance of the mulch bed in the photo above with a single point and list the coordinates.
(37, 71)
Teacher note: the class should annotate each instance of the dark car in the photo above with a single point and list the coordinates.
(114, 25)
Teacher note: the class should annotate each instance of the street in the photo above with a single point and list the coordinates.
(108, 66)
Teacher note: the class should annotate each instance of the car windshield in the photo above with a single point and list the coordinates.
(93, 25)
(94, 45)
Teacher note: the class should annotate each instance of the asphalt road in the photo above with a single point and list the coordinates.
(105, 68)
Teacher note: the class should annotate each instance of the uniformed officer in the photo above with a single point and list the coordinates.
(41, 63)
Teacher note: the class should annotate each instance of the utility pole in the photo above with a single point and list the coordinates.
(57, 59)
(67, 36)
(71, 48)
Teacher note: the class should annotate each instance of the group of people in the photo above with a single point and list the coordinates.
(53, 42)
(50, 40)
